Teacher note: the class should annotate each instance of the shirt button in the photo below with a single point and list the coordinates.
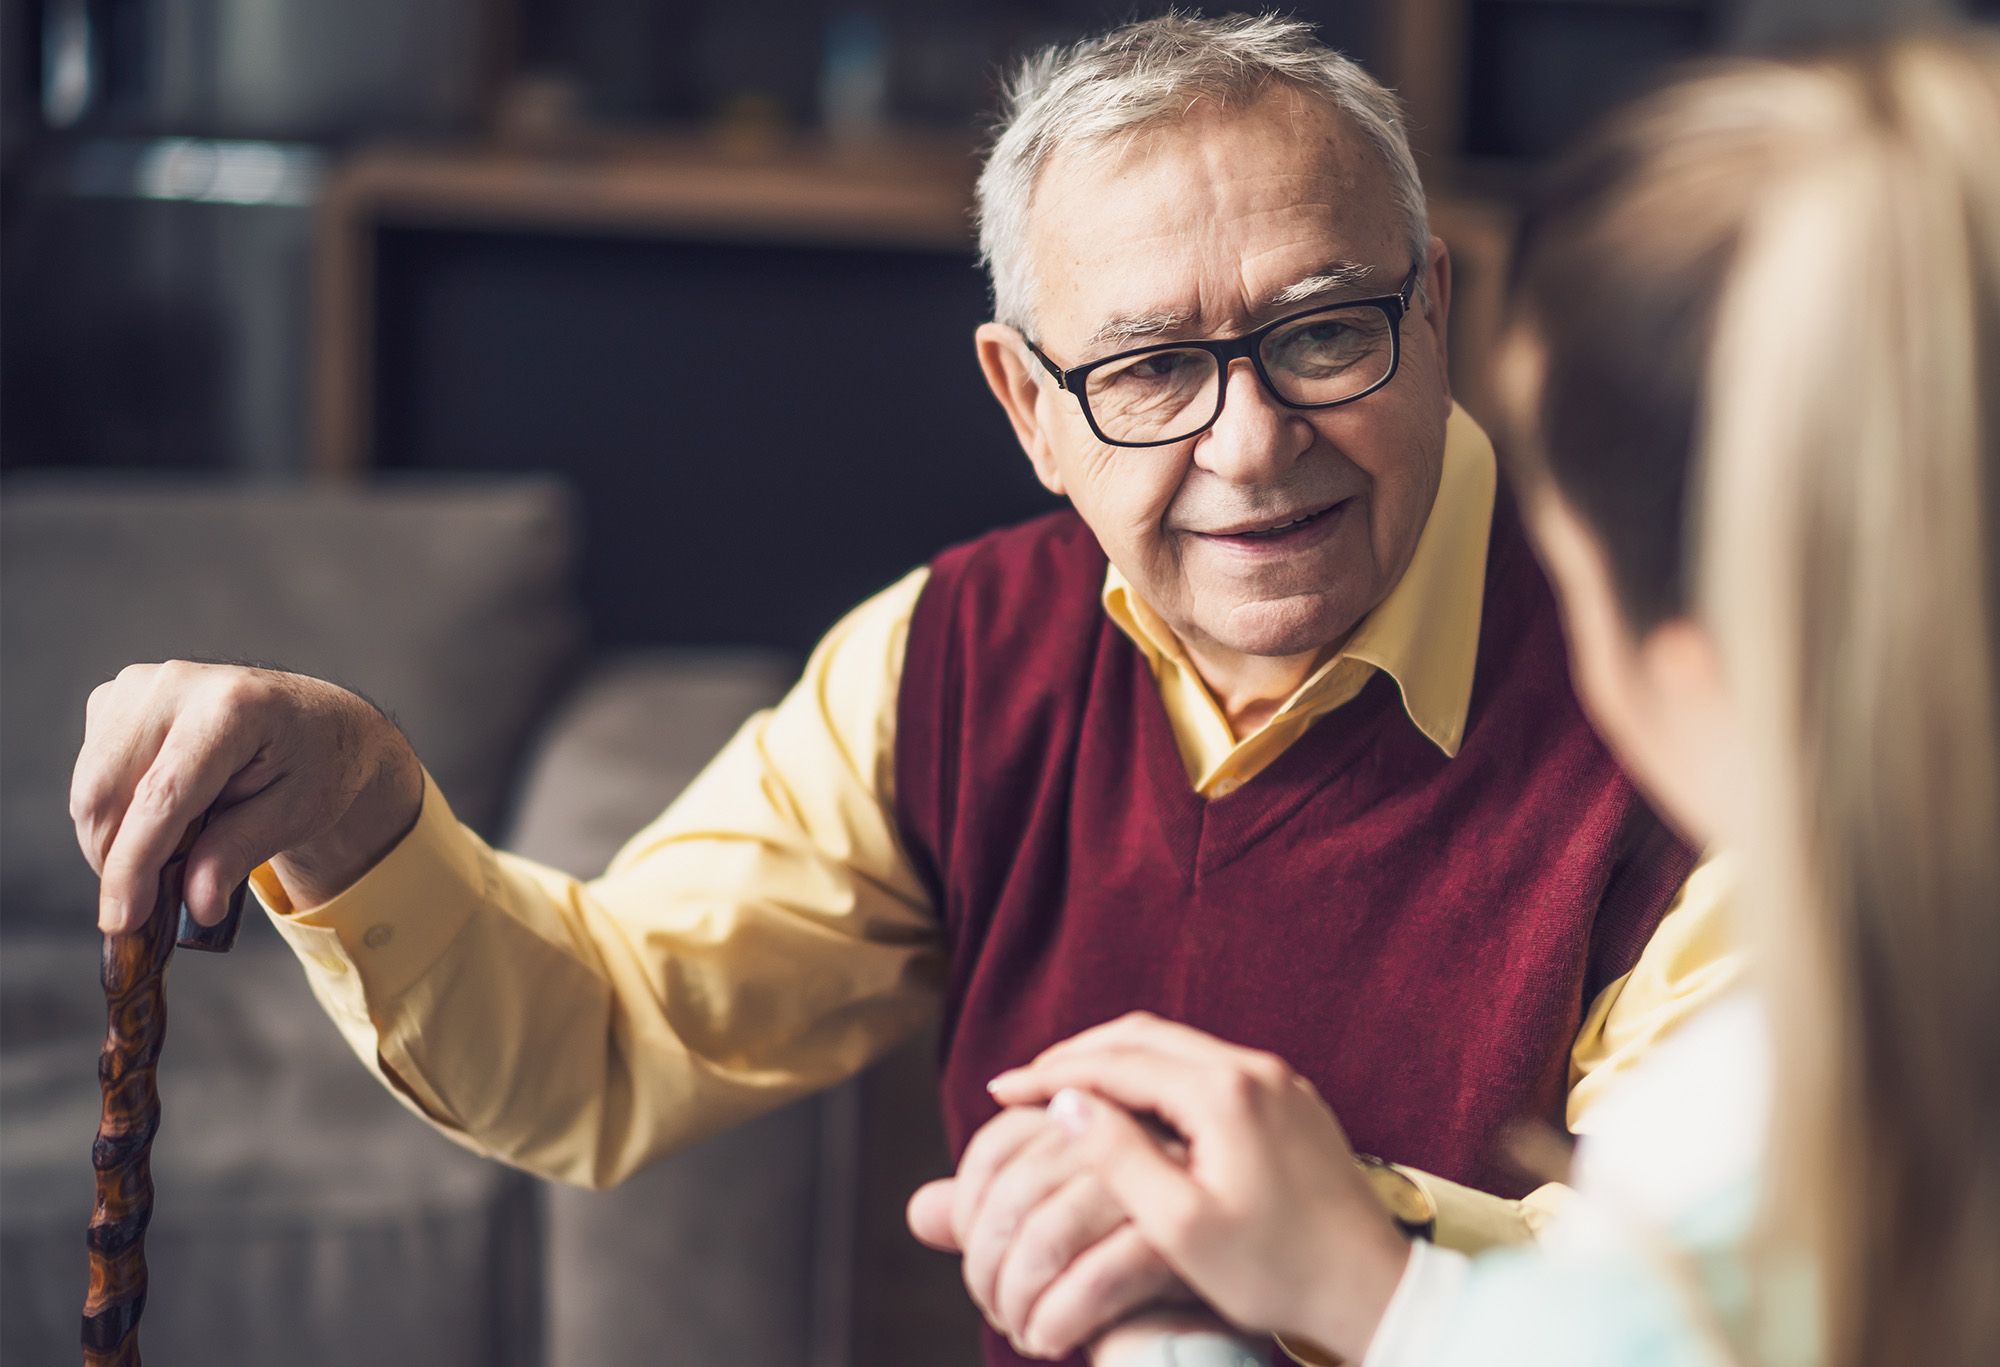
(1225, 786)
(377, 936)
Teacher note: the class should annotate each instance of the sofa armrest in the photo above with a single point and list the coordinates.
(745, 1248)
(634, 732)
(710, 1255)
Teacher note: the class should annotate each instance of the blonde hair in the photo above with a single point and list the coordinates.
(1769, 297)
(1849, 558)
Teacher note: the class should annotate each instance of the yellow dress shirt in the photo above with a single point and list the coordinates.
(766, 936)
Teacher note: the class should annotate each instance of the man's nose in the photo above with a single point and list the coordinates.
(1256, 438)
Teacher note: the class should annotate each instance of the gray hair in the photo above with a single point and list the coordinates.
(1148, 73)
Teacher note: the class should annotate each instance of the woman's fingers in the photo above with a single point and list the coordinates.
(1267, 1197)
(1191, 1097)
(1165, 1203)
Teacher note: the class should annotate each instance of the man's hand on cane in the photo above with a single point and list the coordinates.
(292, 769)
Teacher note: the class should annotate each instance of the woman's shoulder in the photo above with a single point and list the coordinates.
(1644, 1264)
(1676, 1149)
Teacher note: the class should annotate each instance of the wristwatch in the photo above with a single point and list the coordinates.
(1408, 1204)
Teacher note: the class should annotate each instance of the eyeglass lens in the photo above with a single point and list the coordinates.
(1165, 395)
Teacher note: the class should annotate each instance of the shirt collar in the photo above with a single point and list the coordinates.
(1424, 635)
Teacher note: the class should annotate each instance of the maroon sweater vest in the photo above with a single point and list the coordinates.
(1419, 936)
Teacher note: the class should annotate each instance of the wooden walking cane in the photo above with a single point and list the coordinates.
(133, 971)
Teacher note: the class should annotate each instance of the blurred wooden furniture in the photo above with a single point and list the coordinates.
(911, 193)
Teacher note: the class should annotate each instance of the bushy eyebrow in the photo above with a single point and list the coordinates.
(1136, 329)
(1332, 279)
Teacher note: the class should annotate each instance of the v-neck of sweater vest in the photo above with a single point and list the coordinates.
(1213, 831)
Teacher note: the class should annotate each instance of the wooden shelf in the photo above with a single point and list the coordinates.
(906, 192)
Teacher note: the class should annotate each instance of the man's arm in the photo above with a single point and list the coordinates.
(764, 937)
(1693, 960)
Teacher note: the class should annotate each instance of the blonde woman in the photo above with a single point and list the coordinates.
(1769, 294)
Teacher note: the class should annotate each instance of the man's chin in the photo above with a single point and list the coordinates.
(1285, 628)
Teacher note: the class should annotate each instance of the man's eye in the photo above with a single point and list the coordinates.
(1164, 366)
(1320, 346)
(1322, 340)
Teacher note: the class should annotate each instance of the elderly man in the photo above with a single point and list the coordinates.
(1270, 734)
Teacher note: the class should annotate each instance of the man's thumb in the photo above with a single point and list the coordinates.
(929, 1214)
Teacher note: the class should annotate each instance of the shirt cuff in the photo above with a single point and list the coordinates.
(367, 945)
(1420, 1311)
(1468, 1220)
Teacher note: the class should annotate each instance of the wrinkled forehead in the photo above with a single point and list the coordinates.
(1197, 224)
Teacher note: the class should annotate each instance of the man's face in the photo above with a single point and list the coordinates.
(1206, 229)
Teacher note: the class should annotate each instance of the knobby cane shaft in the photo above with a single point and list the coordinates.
(134, 974)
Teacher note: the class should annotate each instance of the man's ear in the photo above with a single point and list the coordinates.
(1437, 289)
(1437, 308)
(1009, 371)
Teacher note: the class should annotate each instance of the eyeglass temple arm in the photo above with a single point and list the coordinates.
(1062, 379)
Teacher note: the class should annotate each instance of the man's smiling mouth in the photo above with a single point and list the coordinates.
(1272, 529)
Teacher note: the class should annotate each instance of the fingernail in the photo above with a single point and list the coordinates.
(111, 916)
(1069, 1111)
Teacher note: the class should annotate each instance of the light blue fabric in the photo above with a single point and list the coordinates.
(1685, 1303)
(1647, 1267)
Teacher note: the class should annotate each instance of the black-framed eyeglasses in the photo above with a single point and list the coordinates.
(1318, 358)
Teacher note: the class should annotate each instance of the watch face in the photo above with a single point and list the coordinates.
(1409, 1204)
(1404, 1199)
(1414, 1211)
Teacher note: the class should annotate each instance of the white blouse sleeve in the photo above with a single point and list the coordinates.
(1421, 1309)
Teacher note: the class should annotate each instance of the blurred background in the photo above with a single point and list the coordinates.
(556, 371)
(277, 239)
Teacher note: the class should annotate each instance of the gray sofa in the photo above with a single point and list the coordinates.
(302, 1216)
